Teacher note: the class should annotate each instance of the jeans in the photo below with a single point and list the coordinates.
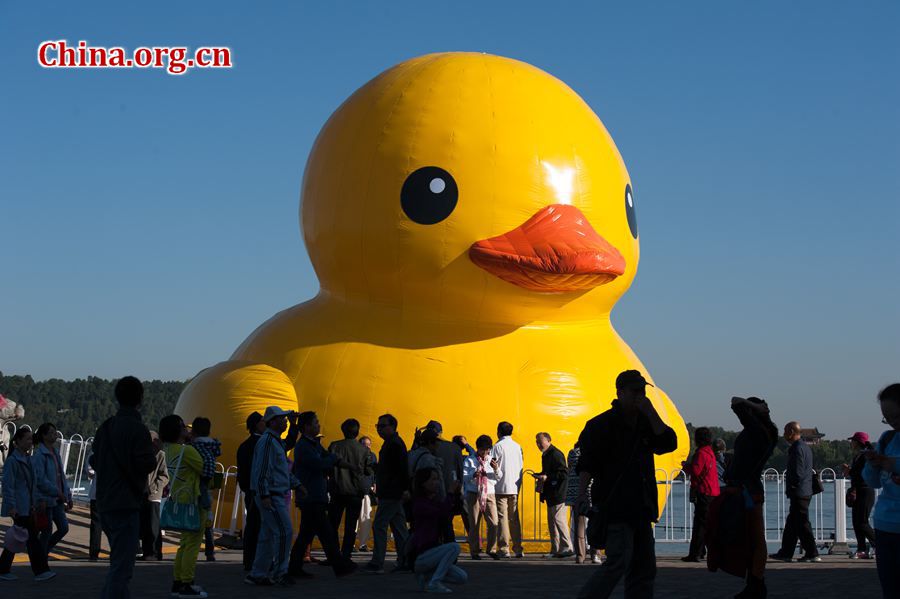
(122, 529)
(36, 554)
(95, 532)
(698, 537)
(438, 563)
(57, 515)
(250, 535)
(862, 508)
(887, 560)
(314, 522)
(351, 505)
(273, 549)
(630, 551)
(389, 513)
(151, 539)
(797, 525)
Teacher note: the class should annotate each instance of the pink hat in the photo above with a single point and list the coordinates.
(860, 437)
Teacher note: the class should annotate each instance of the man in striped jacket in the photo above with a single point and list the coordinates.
(271, 482)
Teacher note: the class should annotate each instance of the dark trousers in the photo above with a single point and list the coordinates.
(35, 549)
(698, 538)
(122, 528)
(94, 538)
(797, 526)
(250, 536)
(351, 505)
(314, 522)
(865, 499)
(151, 540)
(209, 544)
(630, 552)
(887, 559)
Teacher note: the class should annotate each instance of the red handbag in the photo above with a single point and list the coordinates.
(41, 520)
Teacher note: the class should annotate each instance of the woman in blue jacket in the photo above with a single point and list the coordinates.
(882, 471)
(18, 504)
(51, 487)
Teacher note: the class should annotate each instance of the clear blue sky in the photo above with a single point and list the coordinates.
(148, 222)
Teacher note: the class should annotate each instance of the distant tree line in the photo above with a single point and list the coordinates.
(80, 406)
(827, 454)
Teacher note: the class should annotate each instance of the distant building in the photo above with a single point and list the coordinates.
(811, 436)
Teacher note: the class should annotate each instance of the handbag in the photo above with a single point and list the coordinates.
(182, 517)
(817, 483)
(16, 539)
(41, 519)
(850, 498)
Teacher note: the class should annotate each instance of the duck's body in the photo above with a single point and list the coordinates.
(472, 225)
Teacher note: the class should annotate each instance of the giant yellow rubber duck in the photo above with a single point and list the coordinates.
(472, 225)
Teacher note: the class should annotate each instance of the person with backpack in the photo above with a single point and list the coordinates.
(882, 471)
(18, 504)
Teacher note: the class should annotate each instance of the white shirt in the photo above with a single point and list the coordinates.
(470, 466)
(508, 454)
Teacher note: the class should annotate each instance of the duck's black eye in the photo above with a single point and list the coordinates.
(429, 195)
(629, 211)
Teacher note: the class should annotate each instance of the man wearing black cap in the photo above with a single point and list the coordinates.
(256, 426)
(617, 449)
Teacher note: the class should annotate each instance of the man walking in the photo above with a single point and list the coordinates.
(617, 449)
(311, 466)
(349, 483)
(271, 482)
(391, 488)
(256, 426)
(552, 484)
(123, 458)
(799, 490)
(508, 455)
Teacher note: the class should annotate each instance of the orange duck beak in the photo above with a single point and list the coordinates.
(554, 251)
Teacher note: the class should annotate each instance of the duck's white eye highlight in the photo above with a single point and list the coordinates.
(629, 199)
(437, 185)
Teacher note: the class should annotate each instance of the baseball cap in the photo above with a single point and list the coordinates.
(630, 378)
(275, 412)
(860, 437)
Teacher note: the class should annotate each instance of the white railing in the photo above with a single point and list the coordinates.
(829, 514)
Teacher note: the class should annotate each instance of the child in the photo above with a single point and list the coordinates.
(209, 449)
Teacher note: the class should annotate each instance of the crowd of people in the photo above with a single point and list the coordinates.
(601, 498)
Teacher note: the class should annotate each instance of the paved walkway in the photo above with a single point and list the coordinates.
(532, 577)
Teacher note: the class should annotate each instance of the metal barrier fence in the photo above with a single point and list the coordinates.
(829, 513)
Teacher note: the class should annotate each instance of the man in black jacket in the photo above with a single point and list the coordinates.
(551, 482)
(799, 490)
(123, 458)
(617, 449)
(256, 426)
(392, 489)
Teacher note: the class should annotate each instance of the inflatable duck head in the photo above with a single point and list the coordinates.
(466, 187)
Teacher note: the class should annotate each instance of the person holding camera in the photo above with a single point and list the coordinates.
(480, 475)
(551, 481)
(617, 449)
